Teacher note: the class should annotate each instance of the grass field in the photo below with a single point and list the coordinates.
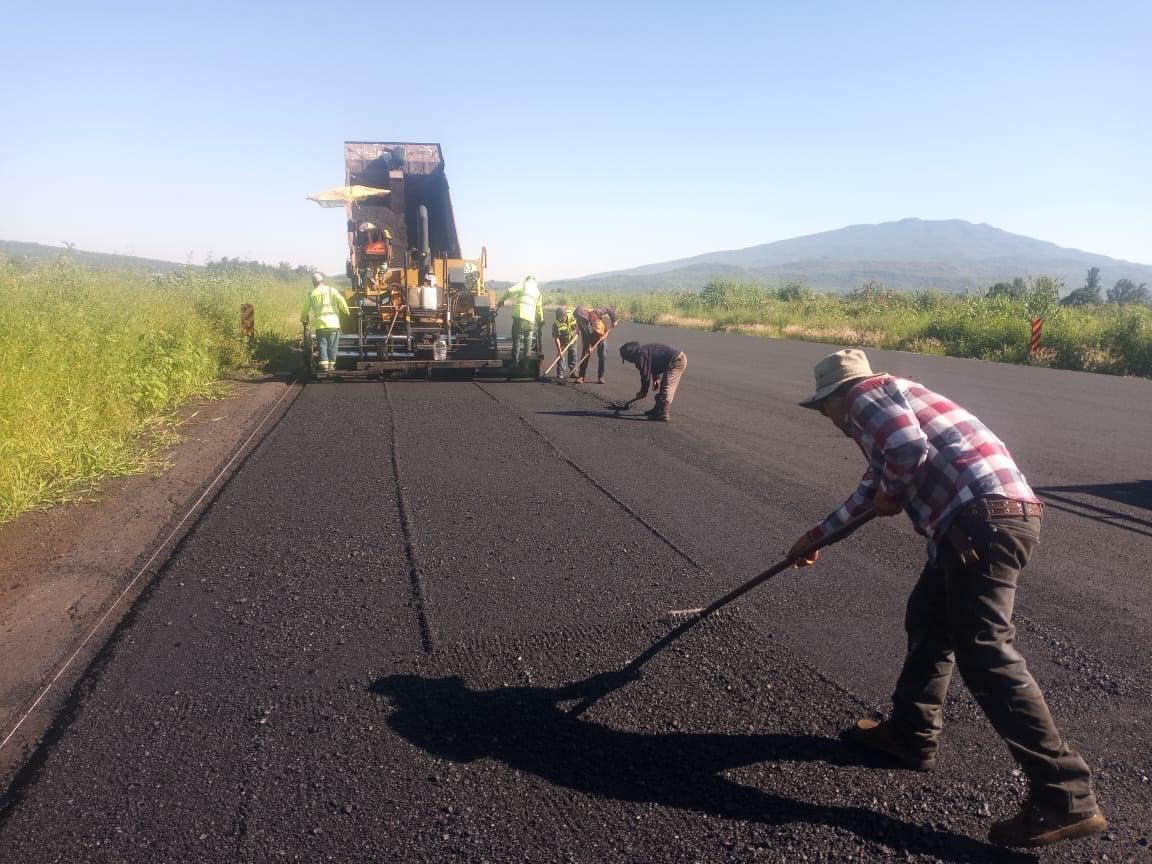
(1110, 338)
(96, 363)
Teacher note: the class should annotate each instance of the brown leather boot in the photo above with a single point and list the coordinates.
(878, 735)
(1034, 826)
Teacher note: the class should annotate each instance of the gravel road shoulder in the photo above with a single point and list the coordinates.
(61, 570)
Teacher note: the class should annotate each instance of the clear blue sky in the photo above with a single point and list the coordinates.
(579, 137)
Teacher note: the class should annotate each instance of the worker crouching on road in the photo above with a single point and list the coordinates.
(326, 305)
(961, 488)
(566, 339)
(527, 318)
(595, 323)
(661, 367)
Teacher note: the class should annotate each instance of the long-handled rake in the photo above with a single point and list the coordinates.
(575, 373)
(689, 618)
(564, 350)
(699, 614)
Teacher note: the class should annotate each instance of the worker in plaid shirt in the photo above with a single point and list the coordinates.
(958, 483)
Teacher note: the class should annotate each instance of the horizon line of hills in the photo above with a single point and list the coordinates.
(950, 255)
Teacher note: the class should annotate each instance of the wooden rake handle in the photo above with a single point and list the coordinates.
(544, 374)
(588, 353)
(632, 670)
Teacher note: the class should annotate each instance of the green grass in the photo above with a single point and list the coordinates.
(97, 362)
(1107, 339)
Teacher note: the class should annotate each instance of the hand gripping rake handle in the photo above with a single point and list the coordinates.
(692, 617)
(832, 537)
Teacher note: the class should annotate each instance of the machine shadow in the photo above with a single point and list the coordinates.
(1133, 493)
(1136, 494)
(527, 729)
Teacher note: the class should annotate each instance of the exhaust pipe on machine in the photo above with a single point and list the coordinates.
(422, 238)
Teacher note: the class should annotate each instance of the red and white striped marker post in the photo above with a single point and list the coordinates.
(248, 321)
(1037, 330)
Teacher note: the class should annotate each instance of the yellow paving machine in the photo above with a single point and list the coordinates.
(416, 304)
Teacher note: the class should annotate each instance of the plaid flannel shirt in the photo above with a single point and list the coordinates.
(924, 451)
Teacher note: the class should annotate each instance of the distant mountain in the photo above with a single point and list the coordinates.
(40, 252)
(911, 254)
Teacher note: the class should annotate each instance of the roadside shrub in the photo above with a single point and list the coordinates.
(794, 292)
(995, 325)
(97, 362)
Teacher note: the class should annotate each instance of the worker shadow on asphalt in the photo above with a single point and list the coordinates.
(609, 414)
(1136, 494)
(528, 729)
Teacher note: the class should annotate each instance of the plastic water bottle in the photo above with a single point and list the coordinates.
(440, 348)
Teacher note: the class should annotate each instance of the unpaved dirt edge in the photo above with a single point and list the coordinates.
(62, 570)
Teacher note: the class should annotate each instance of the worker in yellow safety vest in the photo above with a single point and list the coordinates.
(566, 339)
(326, 305)
(527, 318)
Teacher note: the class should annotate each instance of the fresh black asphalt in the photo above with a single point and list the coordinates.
(368, 648)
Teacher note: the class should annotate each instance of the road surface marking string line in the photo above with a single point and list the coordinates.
(416, 582)
(289, 388)
(668, 541)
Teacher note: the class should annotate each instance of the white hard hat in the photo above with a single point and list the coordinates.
(317, 278)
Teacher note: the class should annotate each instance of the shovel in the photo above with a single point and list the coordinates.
(617, 407)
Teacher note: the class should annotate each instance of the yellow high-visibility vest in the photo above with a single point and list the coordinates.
(326, 305)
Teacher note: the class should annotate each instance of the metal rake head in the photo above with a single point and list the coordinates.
(679, 616)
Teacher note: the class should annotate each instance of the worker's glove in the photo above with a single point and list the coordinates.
(803, 552)
(885, 505)
(655, 386)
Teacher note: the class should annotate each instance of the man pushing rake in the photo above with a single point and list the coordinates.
(959, 485)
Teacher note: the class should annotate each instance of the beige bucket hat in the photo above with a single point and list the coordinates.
(836, 370)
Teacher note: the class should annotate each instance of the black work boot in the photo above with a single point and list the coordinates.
(660, 413)
(879, 735)
(1036, 826)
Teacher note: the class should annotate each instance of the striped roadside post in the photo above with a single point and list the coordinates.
(248, 320)
(1037, 329)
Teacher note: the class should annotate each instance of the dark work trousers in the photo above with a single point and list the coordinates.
(522, 329)
(961, 615)
(670, 380)
(588, 338)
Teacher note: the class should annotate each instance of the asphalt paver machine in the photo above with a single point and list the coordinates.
(416, 304)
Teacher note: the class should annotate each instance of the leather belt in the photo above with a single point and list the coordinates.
(986, 508)
(1005, 508)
